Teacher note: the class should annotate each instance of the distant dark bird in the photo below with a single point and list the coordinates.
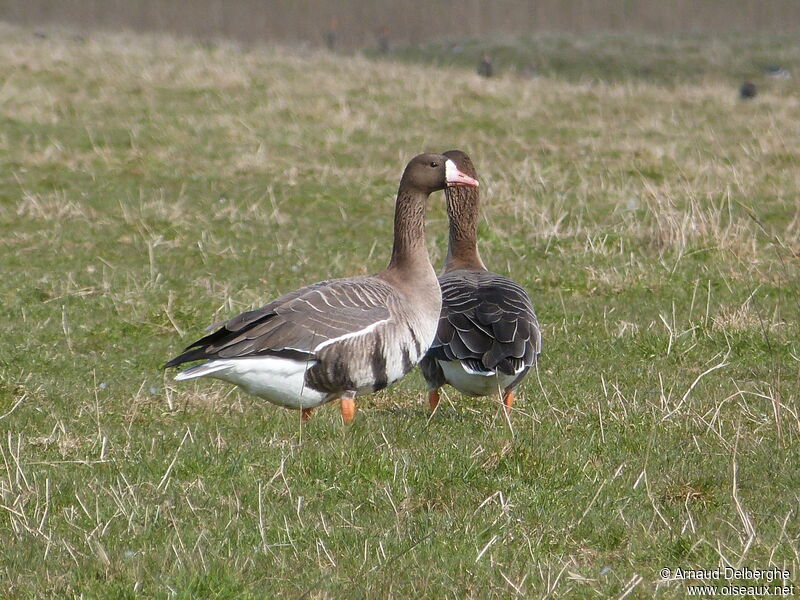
(748, 90)
(486, 66)
(776, 72)
(384, 45)
(333, 33)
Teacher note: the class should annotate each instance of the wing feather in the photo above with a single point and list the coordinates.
(487, 322)
(298, 323)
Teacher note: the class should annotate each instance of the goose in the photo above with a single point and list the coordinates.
(488, 336)
(342, 337)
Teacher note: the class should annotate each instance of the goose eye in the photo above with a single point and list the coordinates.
(434, 164)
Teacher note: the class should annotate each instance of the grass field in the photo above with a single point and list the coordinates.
(617, 57)
(153, 186)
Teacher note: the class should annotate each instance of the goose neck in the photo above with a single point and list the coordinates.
(462, 213)
(409, 250)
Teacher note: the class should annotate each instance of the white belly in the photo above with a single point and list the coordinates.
(277, 380)
(474, 384)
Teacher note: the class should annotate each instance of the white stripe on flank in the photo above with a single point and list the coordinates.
(517, 371)
(353, 334)
(474, 372)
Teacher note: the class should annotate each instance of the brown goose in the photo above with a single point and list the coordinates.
(342, 337)
(488, 336)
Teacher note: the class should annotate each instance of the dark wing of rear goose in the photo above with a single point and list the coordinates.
(298, 324)
(487, 323)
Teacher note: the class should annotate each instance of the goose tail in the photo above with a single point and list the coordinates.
(204, 369)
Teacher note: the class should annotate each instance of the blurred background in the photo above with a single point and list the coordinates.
(355, 24)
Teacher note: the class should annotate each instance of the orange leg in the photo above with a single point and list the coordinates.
(508, 401)
(306, 414)
(433, 399)
(348, 407)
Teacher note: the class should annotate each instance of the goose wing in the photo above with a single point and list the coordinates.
(298, 324)
(487, 323)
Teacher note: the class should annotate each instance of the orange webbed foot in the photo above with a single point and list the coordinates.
(348, 407)
(433, 399)
(508, 401)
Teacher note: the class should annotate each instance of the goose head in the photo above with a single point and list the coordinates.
(429, 172)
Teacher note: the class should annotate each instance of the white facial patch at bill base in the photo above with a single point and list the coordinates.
(451, 172)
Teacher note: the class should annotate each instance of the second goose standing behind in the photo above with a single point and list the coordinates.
(342, 337)
(488, 335)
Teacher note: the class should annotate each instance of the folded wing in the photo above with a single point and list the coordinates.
(487, 323)
(298, 324)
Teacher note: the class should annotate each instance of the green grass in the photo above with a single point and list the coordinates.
(152, 186)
